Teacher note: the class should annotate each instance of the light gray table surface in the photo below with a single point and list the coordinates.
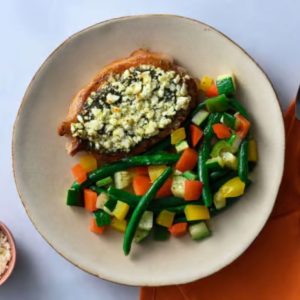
(30, 30)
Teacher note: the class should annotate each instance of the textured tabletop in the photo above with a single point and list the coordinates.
(30, 30)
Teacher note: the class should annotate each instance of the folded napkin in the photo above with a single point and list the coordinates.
(270, 267)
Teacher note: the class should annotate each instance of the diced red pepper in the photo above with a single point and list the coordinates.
(221, 131)
(192, 190)
(178, 229)
(243, 126)
(196, 134)
(187, 160)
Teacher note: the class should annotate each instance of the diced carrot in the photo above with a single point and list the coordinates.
(79, 173)
(196, 134)
(90, 199)
(187, 160)
(212, 91)
(141, 184)
(243, 126)
(95, 228)
(221, 131)
(192, 190)
(140, 170)
(165, 190)
(178, 229)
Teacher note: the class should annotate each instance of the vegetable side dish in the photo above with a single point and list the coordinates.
(197, 168)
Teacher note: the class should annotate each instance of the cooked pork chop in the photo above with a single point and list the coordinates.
(129, 106)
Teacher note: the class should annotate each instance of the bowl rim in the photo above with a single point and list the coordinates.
(12, 262)
(102, 23)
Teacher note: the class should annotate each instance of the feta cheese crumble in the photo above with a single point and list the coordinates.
(5, 253)
(130, 107)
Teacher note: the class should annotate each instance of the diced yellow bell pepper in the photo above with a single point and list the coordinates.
(235, 187)
(196, 212)
(252, 151)
(155, 171)
(121, 210)
(119, 225)
(205, 83)
(88, 162)
(165, 218)
(178, 135)
(219, 200)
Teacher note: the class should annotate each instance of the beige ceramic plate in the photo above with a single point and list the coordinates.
(42, 166)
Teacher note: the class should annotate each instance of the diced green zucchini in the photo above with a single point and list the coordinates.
(101, 200)
(110, 205)
(160, 233)
(230, 160)
(229, 120)
(234, 141)
(102, 218)
(226, 84)
(178, 186)
(215, 163)
(181, 146)
(199, 231)
(200, 117)
(219, 147)
(219, 200)
(146, 222)
(103, 182)
(190, 175)
(122, 179)
(140, 235)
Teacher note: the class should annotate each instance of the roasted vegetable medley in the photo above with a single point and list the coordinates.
(179, 184)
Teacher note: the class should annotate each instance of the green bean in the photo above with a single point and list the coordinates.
(218, 174)
(161, 146)
(140, 209)
(237, 106)
(229, 120)
(133, 161)
(243, 161)
(133, 200)
(203, 173)
(218, 183)
(208, 130)
(166, 202)
(124, 196)
(98, 189)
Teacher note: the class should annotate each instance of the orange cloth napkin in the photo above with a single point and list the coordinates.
(270, 267)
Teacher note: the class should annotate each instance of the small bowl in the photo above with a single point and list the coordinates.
(12, 262)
